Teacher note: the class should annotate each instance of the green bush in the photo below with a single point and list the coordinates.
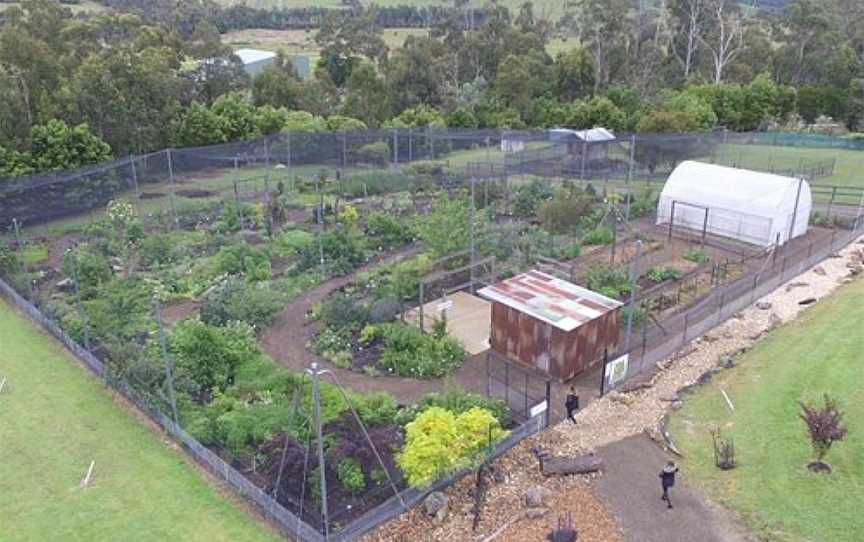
(439, 442)
(639, 315)
(529, 196)
(377, 153)
(696, 256)
(92, 267)
(342, 311)
(292, 242)
(608, 281)
(350, 475)
(598, 236)
(157, 250)
(644, 204)
(457, 402)
(662, 274)
(425, 168)
(447, 228)
(387, 230)
(376, 408)
(9, 264)
(408, 352)
(237, 300)
(243, 258)
(343, 250)
(330, 342)
(373, 184)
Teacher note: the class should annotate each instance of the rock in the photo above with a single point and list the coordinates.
(536, 513)
(117, 268)
(808, 301)
(436, 504)
(835, 255)
(669, 398)
(709, 338)
(583, 464)
(855, 271)
(794, 285)
(537, 496)
(620, 398)
(755, 336)
(774, 322)
(819, 270)
(66, 285)
(738, 315)
(727, 361)
(252, 237)
(763, 305)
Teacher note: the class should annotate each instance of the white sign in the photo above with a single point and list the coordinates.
(616, 369)
(539, 408)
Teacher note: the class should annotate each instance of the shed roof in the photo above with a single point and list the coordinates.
(594, 135)
(549, 299)
(249, 56)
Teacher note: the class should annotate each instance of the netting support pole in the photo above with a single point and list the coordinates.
(79, 307)
(584, 157)
(344, 150)
(173, 187)
(288, 151)
(831, 202)
(166, 360)
(705, 228)
(858, 214)
(135, 183)
(794, 215)
(396, 147)
(20, 244)
(410, 145)
(322, 470)
(671, 220)
(237, 202)
(422, 300)
(320, 221)
(473, 234)
(630, 176)
(489, 374)
(634, 269)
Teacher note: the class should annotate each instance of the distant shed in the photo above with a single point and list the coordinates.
(594, 142)
(255, 60)
(551, 324)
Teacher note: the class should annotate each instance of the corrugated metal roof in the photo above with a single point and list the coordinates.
(248, 56)
(551, 300)
(594, 135)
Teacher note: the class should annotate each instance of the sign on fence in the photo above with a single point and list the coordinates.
(616, 370)
(539, 408)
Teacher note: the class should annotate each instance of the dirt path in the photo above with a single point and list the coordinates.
(287, 338)
(630, 486)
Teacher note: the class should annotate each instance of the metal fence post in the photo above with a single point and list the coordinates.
(526, 394)
(633, 275)
(79, 307)
(166, 360)
(316, 400)
(22, 259)
(489, 374)
(473, 234)
(630, 177)
(396, 147)
(173, 188)
(135, 184)
(686, 322)
(344, 150)
(239, 206)
(410, 145)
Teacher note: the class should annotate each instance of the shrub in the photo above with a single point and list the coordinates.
(387, 230)
(639, 315)
(157, 250)
(350, 475)
(292, 242)
(563, 212)
(329, 343)
(377, 153)
(608, 281)
(376, 408)
(92, 267)
(643, 204)
(342, 311)
(237, 300)
(368, 335)
(343, 359)
(696, 256)
(662, 274)
(447, 228)
(384, 310)
(343, 250)
(207, 357)
(9, 264)
(457, 402)
(242, 258)
(408, 352)
(598, 236)
(425, 168)
(439, 442)
(825, 426)
(528, 197)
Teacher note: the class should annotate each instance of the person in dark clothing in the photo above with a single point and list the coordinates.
(667, 480)
(572, 404)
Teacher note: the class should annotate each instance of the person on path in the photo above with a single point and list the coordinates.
(572, 404)
(667, 480)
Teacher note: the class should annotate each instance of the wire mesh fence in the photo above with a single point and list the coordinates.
(303, 177)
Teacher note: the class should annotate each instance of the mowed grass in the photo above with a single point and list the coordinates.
(821, 352)
(56, 419)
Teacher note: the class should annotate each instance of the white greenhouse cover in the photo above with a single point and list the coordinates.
(751, 206)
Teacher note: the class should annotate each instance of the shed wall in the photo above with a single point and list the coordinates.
(560, 354)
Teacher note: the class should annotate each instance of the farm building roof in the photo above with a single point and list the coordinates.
(248, 56)
(551, 300)
(594, 135)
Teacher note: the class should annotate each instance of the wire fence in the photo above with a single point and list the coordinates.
(187, 188)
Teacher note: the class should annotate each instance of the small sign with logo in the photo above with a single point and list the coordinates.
(616, 369)
(538, 409)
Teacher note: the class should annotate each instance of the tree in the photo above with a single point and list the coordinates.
(421, 116)
(277, 85)
(523, 78)
(214, 77)
(575, 75)
(237, 115)
(447, 228)
(416, 73)
(347, 36)
(689, 17)
(56, 146)
(366, 95)
(825, 426)
(601, 27)
(726, 41)
(14, 163)
(199, 126)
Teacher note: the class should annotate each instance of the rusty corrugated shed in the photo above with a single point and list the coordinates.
(553, 325)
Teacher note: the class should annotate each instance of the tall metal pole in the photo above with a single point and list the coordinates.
(135, 181)
(316, 400)
(288, 149)
(396, 147)
(473, 212)
(860, 209)
(633, 271)
(17, 226)
(630, 176)
(794, 214)
(166, 360)
(171, 194)
(85, 323)
(320, 220)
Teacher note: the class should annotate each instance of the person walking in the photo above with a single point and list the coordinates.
(572, 403)
(667, 480)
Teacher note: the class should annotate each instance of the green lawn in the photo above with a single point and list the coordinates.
(56, 418)
(822, 351)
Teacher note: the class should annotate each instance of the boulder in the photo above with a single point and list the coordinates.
(793, 285)
(537, 496)
(807, 301)
(819, 270)
(436, 505)
(763, 305)
(66, 285)
(727, 361)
